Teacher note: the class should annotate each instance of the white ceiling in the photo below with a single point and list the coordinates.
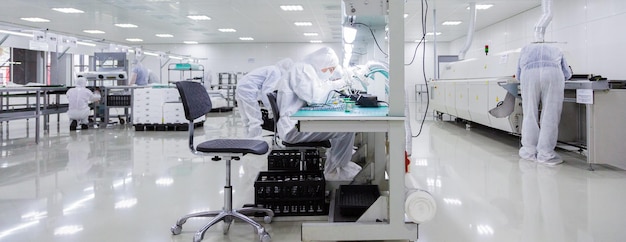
(261, 19)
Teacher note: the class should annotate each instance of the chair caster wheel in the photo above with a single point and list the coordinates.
(265, 237)
(267, 219)
(176, 229)
(197, 238)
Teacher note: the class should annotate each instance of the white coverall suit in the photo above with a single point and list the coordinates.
(79, 98)
(542, 71)
(254, 86)
(308, 83)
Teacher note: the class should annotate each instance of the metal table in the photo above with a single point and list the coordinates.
(366, 120)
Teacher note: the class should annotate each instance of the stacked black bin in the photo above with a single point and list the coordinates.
(295, 160)
(294, 184)
(291, 193)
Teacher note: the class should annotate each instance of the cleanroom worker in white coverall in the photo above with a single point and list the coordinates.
(542, 71)
(254, 86)
(308, 83)
(79, 98)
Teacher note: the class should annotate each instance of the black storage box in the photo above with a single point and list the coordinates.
(118, 100)
(292, 160)
(291, 193)
(354, 200)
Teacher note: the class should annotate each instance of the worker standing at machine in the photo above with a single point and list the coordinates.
(139, 74)
(542, 71)
(79, 99)
(309, 82)
(254, 86)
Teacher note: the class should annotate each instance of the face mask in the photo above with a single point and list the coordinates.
(325, 75)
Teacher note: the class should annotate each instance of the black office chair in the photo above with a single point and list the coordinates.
(286, 145)
(196, 103)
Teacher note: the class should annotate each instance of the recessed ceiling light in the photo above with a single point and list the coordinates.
(164, 35)
(199, 17)
(303, 24)
(406, 15)
(451, 23)
(291, 7)
(246, 38)
(482, 6)
(93, 31)
(68, 10)
(315, 41)
(227, 30)
(85, 43)
(126, 25)
(311, 34)
(134, 40)
(190, 42)
(431, 33)
(16, 33)
(38, 20)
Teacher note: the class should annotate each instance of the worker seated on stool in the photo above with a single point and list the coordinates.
(79, 98)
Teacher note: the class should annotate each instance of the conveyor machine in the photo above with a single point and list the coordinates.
(592, 113)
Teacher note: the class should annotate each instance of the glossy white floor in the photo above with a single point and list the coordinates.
(115, 184)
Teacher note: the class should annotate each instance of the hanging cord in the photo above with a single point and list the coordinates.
(424, 15)
(373, 36)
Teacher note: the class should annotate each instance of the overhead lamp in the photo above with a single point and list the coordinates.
(311, 34)
(199, 17)
(300, 24)
(482, 6)
(291, 7)
(406, 15)
(36, 20)
(316, 41)
(16, 33)
(85, 43)
(134, 40)
(349, 34)
(347, 48)
(246, 38)
(68, 10)
(126, 25)
(227, 30)
(431, 33)
(190, 42)
(175, 57)
(151, 54)
(93, 31)
(164, 35)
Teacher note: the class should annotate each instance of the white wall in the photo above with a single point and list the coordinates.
(590, 32)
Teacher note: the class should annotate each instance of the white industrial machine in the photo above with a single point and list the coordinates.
(98, 78)
(468, 89)
(474, 90)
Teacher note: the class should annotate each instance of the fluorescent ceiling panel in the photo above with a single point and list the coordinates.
(291, 7)
(35, 19)
(68, 10)
(199, 17)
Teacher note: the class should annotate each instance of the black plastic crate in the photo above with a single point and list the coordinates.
(296, 208)
(289, 185)
(354, 200)
(291, 192)
(118, 100)
(294, 160)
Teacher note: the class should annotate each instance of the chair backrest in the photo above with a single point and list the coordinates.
(196, 100)
(271, 96)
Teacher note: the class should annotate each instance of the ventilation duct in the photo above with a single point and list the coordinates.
(540, 27)
(470, 31)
